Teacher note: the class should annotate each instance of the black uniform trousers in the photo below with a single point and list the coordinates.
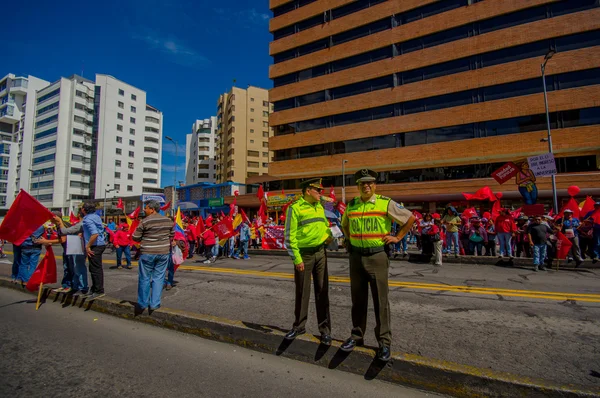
(315, 265)
(370, 270)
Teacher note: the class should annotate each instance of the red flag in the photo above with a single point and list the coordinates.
(244, 216)
(588, 206)
(274, 238)
(417, 215)
(551, 212)
(166, 206)
(515, 214)
(135, 213)
(332, 193)
(209, 219)
(571, 205)
(45, 271)
(495, 210)
(262, 212)
(24, 216)
(595, 217)
(72, 219)
(111, 234)
(200, 226)
(563, 246)
(120, 205)
(341, 207)
(484, 193)
(223, 229)
(261, 193)
(470, 212)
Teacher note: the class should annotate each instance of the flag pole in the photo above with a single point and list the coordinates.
(39, 298)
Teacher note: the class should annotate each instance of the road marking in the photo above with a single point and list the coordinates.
(560, 296)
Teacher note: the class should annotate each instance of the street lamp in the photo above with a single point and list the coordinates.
(344, 161)
(105, 192)
(549, 139)
(175, 175)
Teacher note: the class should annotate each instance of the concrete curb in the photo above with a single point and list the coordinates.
(417, 258)
(409, 370)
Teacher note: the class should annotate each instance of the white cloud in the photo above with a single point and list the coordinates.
(169, 147)
(174, 50)
(170, 168)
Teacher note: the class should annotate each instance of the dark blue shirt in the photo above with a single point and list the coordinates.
(28, 243)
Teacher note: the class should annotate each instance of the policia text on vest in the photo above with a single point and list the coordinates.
(367, 225)
(306, 234)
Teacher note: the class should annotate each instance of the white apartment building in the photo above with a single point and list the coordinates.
(200, 152)
(17, 110)
(129, 141)
(62, 143)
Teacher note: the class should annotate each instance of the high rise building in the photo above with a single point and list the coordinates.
(435, 95)
(17, 112)
(128, 138)
(62, 143)
(243, 134)
(200, 152)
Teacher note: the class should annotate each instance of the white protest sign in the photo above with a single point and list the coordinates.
(542, 165)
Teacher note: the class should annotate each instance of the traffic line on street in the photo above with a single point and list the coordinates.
(560, 296)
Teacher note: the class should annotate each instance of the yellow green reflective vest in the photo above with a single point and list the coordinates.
(368, 222)
(305, 227)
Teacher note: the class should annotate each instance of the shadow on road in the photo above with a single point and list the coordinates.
(19, 302)
(283, 346)
(321, 351)
(376, 366)
(339, 357)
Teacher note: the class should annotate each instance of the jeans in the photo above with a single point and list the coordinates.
(402, 246)
(124, 250)
(530, 198)
(244, 247)
(170, 271)
(437, 252)
(215, 250)
(490, 248)
(231, 250)
(192, 244)
(16, 261)
(452, 238)
(152, 269)
(68, 273)
(505, 239)
(476, 248)
(80, 277)
(30, 257)
(96, 270)
(539, 254)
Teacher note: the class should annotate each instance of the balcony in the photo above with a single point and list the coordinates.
(10, 114)
(19, 86)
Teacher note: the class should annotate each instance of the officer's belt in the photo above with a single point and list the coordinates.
(367, 251)
(311, 250)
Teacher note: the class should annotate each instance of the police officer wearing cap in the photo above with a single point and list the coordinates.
(306, 234)
(366, 224)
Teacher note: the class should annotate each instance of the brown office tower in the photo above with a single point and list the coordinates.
(434, 95)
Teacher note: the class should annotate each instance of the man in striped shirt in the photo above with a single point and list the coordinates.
(155, 233)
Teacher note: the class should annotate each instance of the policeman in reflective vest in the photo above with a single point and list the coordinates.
(306, 234)
(367, 223)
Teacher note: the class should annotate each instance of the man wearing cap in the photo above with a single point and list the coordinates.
(366, 225)
(569, 228)
(306, 234)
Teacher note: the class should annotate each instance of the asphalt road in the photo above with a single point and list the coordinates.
(73, 353)
(543, 325)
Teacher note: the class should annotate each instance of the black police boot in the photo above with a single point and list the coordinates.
(326, 339)
(384, 354)
(348, 345)
(292, 334)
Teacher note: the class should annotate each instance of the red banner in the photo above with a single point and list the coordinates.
(505, 173)
(534, 210)
(224, 228)
(273, 238)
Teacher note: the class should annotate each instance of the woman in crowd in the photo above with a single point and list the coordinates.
(490, 247)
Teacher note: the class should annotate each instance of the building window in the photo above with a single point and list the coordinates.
(133, 109)
(252, 130)
(119, 151)
(120, 116)
(118, 163)
(265, 154)
(251, 109)
(131, 154)
(266, 103)
(130, 165)
(132, 131)
(252, 141)
(251, 99)
(253, 153)
(133, 97)
(117, 186)
(119, 127)
(129, 188)
(265, 164)
(132, 142)
(266, 134)
(130, 177)
(119, 140)
(265, 124)
(117, 174)
(265, 144)
(251, 120)
(121, 92)
(132, 120)
(121, 105)
(266, 113)
(253, 164)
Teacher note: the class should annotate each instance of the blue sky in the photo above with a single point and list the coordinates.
(183, 53)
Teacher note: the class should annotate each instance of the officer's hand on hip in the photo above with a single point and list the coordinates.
(390, 239)
(300, 267)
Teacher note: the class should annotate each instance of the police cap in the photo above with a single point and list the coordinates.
(312, 183)
(365, 175)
